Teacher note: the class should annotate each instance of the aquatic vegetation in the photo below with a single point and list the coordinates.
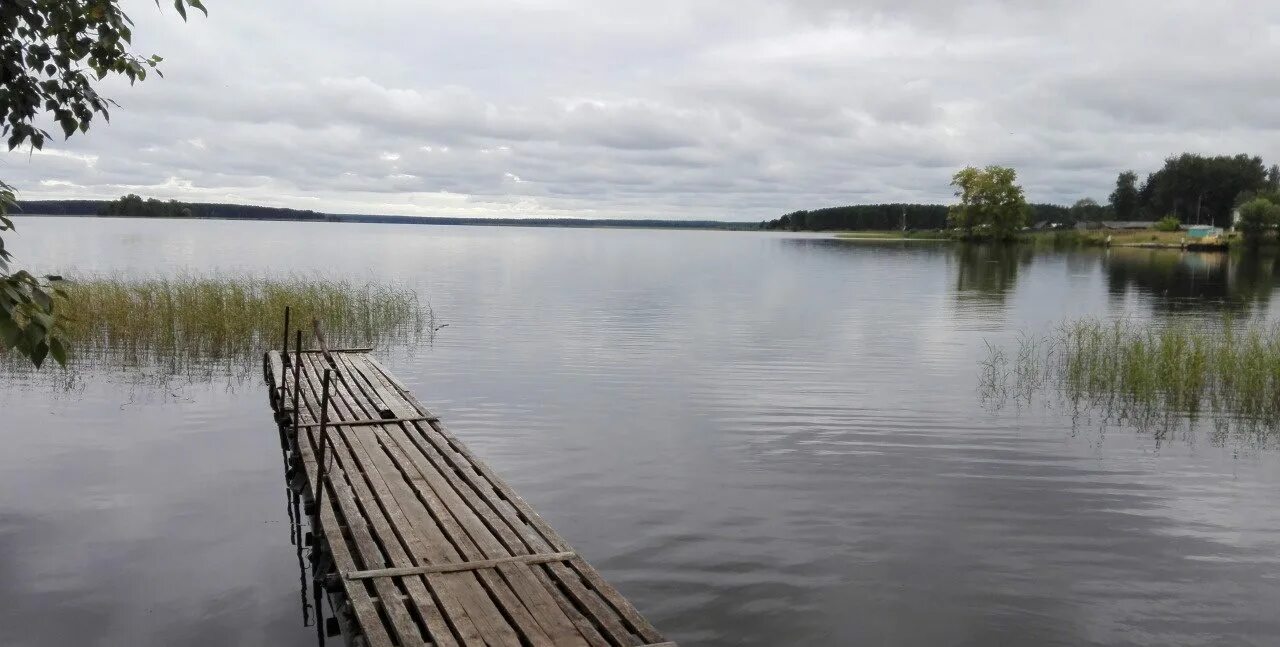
(221, 323)
(1146, 372)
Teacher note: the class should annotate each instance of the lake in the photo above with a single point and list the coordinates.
(759, 438)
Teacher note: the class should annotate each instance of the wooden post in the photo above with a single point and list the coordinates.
(284, 354)
(320, 340)
(324, 442)
(297, 383)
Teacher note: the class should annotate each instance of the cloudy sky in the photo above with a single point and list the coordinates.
(735, 110)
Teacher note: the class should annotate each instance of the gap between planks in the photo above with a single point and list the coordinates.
(460, 566)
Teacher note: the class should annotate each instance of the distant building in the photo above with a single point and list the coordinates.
(1200, 232)
(1128, 224)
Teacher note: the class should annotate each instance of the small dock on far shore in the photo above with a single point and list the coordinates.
(417, 541)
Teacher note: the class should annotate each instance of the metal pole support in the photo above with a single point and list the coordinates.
(324, 443)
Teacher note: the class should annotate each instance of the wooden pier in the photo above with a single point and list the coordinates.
(417, 541)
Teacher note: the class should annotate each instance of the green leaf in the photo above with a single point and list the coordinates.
(58, 350)
(10, 333)
(42, 299)
(181, 6)
(39, 327)
(69, 125)
(38, 353)
(32, 336)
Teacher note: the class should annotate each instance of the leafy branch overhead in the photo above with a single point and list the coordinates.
(51, 54)
(51, 51)
(27, 322)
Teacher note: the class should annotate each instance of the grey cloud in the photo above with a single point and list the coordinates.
(671, 108)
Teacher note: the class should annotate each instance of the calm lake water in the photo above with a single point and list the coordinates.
(761, 439)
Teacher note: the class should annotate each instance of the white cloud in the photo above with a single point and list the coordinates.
(673, 108)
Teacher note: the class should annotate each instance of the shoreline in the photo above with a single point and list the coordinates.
(1133, 239)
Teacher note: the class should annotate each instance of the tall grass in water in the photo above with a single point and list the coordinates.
(1146, 371)
(219, 324)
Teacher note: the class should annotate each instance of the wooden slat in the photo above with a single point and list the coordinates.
(363, 607)
(478, 542)
(607, 607)
(418, 588)
(462, 566)
(446, 545)
(446, 529)
(460, 595)
(341, 489)
(275, 369)
(372, 421)
(470, 485)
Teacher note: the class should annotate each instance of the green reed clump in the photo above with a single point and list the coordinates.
(1145, 370)
(194, 322)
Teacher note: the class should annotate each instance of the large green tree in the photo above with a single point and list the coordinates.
(1088, 210)
(51, 54)
(1201, 190)
(991, 202)
(1124, 199)
(1258, 216)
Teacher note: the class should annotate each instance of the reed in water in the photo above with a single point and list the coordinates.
(1143, 370)
(221, 323)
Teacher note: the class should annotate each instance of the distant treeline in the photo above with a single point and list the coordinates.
(133, 206)
(891, 216)
(1194, 189)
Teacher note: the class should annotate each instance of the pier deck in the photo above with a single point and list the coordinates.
(422, 544)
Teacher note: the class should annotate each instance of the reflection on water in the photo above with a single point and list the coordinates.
(760, 439)
(1189, 281)
(988, 273)
(310, 587)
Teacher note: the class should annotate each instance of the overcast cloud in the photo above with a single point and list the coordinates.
(735, 110)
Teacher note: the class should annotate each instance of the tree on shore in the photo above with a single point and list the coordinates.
(990, 202)
(1124, 199)
(1257, 217)
(1201, 190)
(51, 54)
(1088, 210)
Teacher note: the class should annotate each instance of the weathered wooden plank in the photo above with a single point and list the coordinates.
(460, 566)
(537, 595)
(445, 544)
(402, 624)
(375, 421)
(418, 588)
(275, 370)
(608, 608)
(517, 545)
(462, 605)
(443, 534)
(363, 607)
